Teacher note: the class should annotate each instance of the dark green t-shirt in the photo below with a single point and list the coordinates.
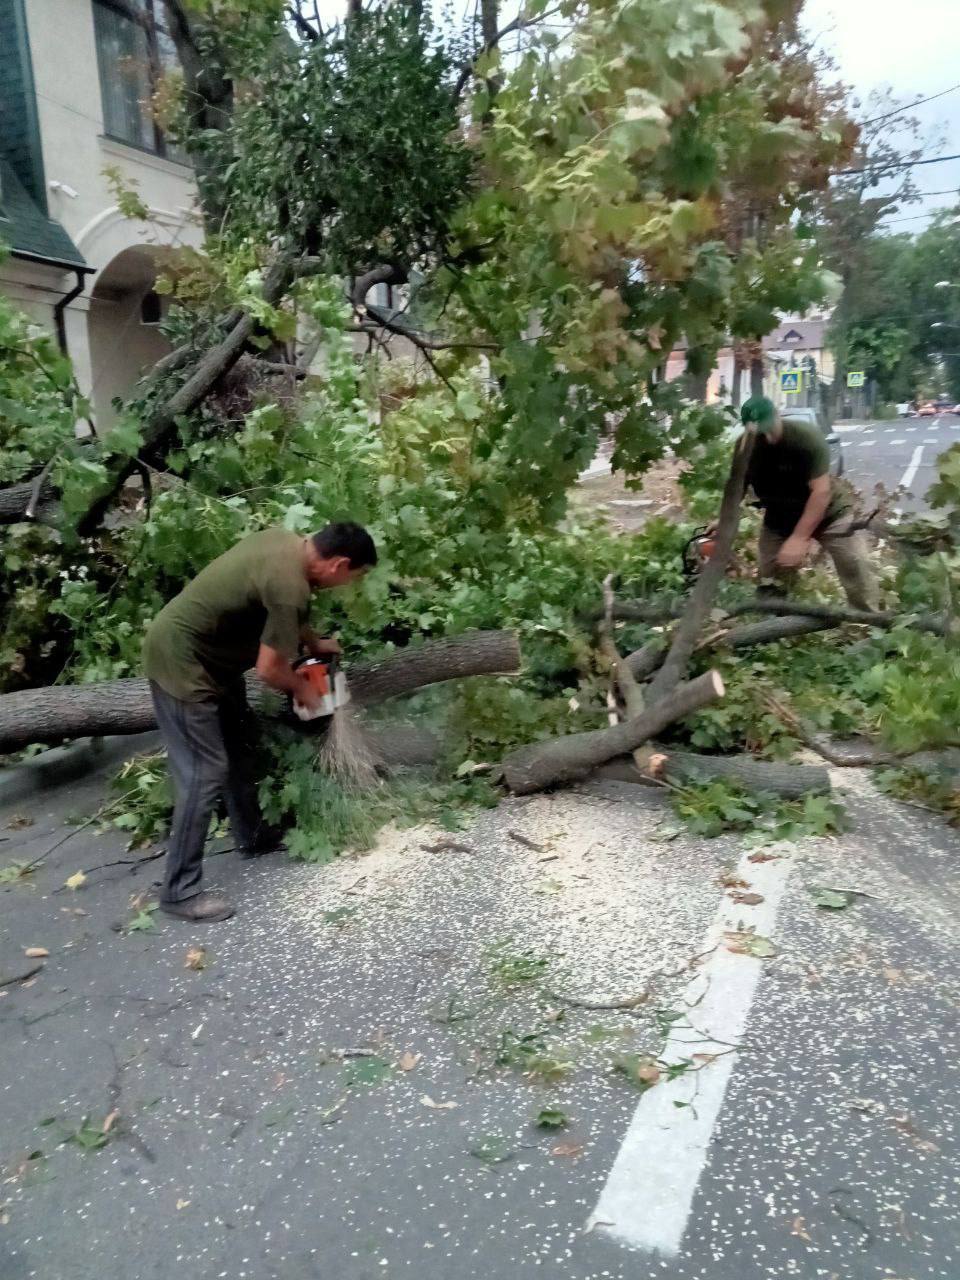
(205, 638)
(780, 475)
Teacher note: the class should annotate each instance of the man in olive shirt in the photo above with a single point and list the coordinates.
(248, 608)
(790, 474)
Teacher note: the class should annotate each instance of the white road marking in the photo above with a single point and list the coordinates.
(906, 480)
(646, 1201)
(931, 440)
(900, 441)
(912, 469)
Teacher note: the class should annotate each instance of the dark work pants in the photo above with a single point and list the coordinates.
(210, 750)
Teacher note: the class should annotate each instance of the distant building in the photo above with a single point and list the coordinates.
(76, 80)
(797, 345)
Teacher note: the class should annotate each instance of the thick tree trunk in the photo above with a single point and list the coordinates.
(566, 759)
(790, 781)
(124, 706)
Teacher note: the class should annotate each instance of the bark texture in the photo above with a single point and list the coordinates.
(701, 599)
(571, 757)
(124, 706)
(791, 781)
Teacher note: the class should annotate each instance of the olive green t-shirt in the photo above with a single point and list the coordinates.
(205, 638)
(780, 474)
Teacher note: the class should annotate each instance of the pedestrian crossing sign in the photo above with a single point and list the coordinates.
(856, 379)
(791, 382)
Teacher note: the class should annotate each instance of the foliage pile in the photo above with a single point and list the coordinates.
(555, 233)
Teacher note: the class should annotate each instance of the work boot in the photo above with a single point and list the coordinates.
(269, 840)
(203, 908)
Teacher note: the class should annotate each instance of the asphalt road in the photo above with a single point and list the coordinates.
(898, 453)
(812, 1133)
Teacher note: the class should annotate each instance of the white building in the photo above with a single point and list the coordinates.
(76, 79)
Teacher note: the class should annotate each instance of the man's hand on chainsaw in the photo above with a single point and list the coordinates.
(794, 552)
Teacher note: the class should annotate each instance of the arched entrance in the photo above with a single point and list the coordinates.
(123, 327)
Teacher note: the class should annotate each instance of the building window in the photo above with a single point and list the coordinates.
(134, 51)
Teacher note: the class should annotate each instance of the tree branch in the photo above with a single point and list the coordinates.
(701, 598)
(305, 27)
(393, 275)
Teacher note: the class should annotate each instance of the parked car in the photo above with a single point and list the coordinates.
(928, 410)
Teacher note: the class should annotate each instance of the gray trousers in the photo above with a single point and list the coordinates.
(850, 554)
(210, 751)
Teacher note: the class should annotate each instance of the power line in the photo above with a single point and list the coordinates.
(901, 111)
(931, 213)
(885, 168)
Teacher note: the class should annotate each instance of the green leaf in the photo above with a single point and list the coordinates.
(367, 1071)
(493, 1148)
(831, 899)
(551, 1118)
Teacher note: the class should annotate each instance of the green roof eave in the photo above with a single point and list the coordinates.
(27, 230)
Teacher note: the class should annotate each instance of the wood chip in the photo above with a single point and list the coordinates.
(409, 1060)
(527, 844)
(568, 1150)
(110, 1121)
(36, 953)
(427, 1101)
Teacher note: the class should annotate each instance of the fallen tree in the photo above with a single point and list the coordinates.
(571, 757)
(61, 712)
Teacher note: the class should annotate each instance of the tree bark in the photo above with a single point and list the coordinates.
(124, 706)
(769, 631)
(791, 781)
(571, 757)
(701, 598)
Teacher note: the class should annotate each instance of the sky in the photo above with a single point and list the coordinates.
(914, 49)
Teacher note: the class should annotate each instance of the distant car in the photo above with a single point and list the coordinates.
(928, 411)
(831, 437)
(905, 410)
(955, 409)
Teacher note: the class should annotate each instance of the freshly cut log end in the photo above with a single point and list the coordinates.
(718, 685)
(790, 781)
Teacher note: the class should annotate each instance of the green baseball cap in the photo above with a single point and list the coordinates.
(760, 412)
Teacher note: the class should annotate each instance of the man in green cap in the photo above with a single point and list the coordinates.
(790, 474)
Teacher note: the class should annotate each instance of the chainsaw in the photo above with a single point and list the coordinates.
(328, 680)
(698, 550)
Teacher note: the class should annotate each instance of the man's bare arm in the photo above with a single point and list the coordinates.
(317, 646)
(815, 509)
(794, 550)
(274, 670)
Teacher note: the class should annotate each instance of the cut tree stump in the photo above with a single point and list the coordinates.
(573, 756)
(62, 712)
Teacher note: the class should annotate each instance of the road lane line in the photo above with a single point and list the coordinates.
(900, 441)
(646, 1201)
(913, 468)
(931, 440)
